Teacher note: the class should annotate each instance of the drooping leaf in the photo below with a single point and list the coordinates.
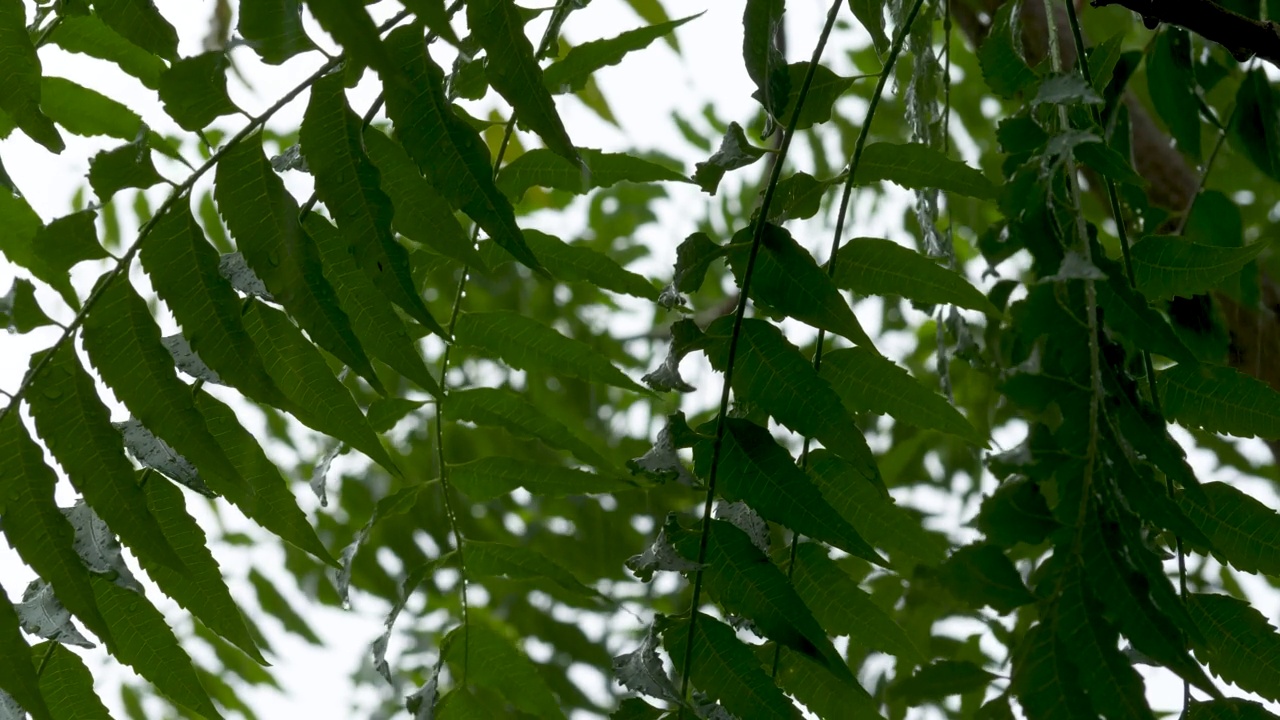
(76, 428)
(1045, 679)
(1127, 312)
(184, 270)
(870, 15)
(843, 608)
(1244, 531)
(595, 169)
(301, 373)
(514, 73)
(755, 469)
(348, 184)
(350, 24)
(766, 65)
(89, 35)
(147, 644)
(1220, 399)
(735, 152)
(641, 670)
(877, 518)
(798, 197)
(739, 576)
(19, 310)
(981, 574)
(436, 17)
(263, 217)
(872, 266)
(488, 559)
(1002, 66)
(127, 166)
(139, 22)
(194, 90)
(570, 73)
(1172, 83)
(1165, 266)
(495, 663)
(524, 343)
(1253, 130)
(373, 319)
(865, 380)
(579, 263)
(17, 671)
(725, 668)
(915, 166)
(123, 342)
(1243, 647)
(512, 411)
(36, 529)
(447, 150)
(494, 476)
(693, 258)
(20, 67)
(824, 90)
(422, 214)
(786, 280)
(772, 373)
(67, 684)
(941, 679)
(273, 28)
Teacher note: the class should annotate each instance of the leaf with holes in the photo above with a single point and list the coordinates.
(1245, 532)
(20, 66)
(273, 28)
(350, 24)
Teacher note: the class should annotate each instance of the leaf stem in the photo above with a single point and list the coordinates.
(739, 313)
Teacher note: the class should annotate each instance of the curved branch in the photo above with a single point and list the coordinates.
(1243, 36)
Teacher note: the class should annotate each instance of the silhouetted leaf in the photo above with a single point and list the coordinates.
(595, 169)
(17, 672)
(1002, 65)
(981, 574)
(735, 152)
(1172, 84)
(273, 28)
(127, 166)
(570, 73)
(20, 66)
(579, 263)
(1220, 399)
(19, 310)
(871, 266)
(941, 679)
(725, 668)
(1243, 648)
(1244, 532)
(765, 62)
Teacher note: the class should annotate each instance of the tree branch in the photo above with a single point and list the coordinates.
(1243, 36)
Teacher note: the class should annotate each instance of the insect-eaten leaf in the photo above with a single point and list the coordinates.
(735, 152)
(42, 615)
(641, 670)
(152, 452)
(660, 556)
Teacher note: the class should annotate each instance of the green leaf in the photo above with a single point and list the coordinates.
(37, 529)
(883, 522)
(843, 608)
(87, 112)
(148, 645)
(1104, 672)
(981, 574)
(527, 344)
(348, 184)
(1066, 89)
(694, 256)
(824, 90)
(514, 73)
(570, 73)
(1045, 679)
(263, 217)
(127, 166)
(915, 166)
(384, 413)
(579, 263)
(1100, 157)
(76, 428)
(201, 589)
(436, 17)
(1102, 60)
(194, 90)
(17, 672)
(1245, 533)
(873, 266)
(1242, 647)
(494, 476)
(772, 373)
(507, 409)
(739, 576)
(183, 268)
(798, 197)
(821, 692)
(1254, 132)
(1128, 313)
(19, 310)
(787, 281)
(278, 606)
(941, 679)
(1002, 65)
(755, 469)
(494, 662)
(20, 68)
(1172, 83)
(595, 169)
(139, 22)
(22, 225)
(447, 150)
(349, 23)
(1016, 512)
(1148, 433)
(374, 320)
(487, 559)
(1220, 399)
(87, 34)
(67, 684)
(123, 342)
(870, 15)
(761, 21)
(735, 152)
(421, 212)
(273, 28)
(725, 668)
(68, 241)
(865, 380)
(1165, 266)
(321, 402)
(1228, 709)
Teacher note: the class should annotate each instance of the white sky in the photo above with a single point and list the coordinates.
(643, 93)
